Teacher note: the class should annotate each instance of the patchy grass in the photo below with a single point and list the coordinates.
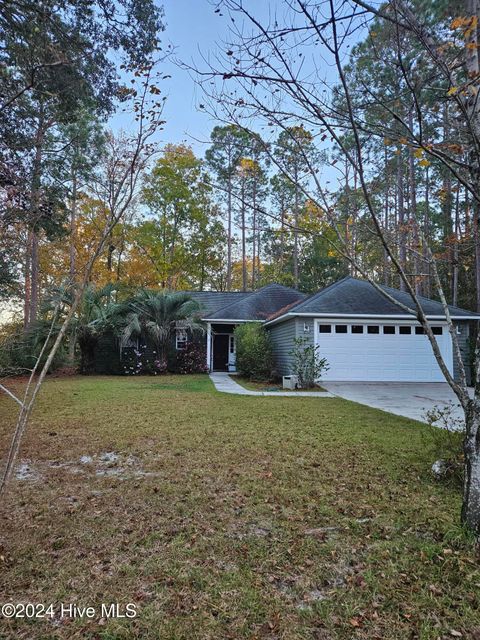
(230, 517)
(267, 386)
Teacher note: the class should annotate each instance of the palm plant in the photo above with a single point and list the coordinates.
(155, 316)
(96, 314)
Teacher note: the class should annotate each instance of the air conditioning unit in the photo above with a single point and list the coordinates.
(290, 382)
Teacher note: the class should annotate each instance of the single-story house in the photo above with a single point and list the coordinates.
(363, 335)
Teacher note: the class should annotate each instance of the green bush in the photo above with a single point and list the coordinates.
(20, 349)
(307, 365)
(254, 352)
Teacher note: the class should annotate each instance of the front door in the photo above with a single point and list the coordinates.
(220, 352)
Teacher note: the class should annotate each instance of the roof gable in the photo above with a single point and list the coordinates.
(351, 296)
(259, 304)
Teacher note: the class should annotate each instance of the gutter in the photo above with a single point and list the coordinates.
(286, 316)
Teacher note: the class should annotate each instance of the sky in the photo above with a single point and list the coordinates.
(193, 29)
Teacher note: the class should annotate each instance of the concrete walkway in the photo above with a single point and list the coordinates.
(409, 399)
(224, 383)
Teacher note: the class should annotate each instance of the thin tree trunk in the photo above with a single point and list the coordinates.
(471, 486)
(254, 232)
(426, 234)
(28, 280)
(386, 266)
(455, 250)
(229, 229)
(413, 215)
(35, 275)
(402, 249)
(295, 232)
(476, 236)
(244, 240)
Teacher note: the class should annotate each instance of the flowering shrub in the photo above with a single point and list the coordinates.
(192, 359)
(140, 361)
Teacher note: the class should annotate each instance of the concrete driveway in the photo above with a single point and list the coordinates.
(410, 399)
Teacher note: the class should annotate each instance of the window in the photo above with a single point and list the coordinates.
(419, 331)
(341, 328)
(306, 327)
(388, 330)
(357, 328)
(373, 328)
(325, 328)
(181, 339)
(437, 331)
(405, 331)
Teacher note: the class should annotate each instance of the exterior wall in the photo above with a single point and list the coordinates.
(463, 334)
(283, 334)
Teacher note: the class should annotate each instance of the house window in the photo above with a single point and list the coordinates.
(388, 330)
(357, 328)
(181, 339)
(373, 328)
(306, 327)
(341, 328)
(437, 331)
(325, 328)
(405, 331)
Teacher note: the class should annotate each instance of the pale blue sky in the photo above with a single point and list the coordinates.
(193, 29)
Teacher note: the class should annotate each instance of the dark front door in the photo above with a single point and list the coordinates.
(220, 352)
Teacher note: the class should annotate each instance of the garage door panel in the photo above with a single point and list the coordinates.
(388, 357)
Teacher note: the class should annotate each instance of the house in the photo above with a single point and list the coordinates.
(363, 335)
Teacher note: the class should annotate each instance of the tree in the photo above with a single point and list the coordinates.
(156, 316)
(228, 144)
(293, 145)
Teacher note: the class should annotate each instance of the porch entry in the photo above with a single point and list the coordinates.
(223, 348)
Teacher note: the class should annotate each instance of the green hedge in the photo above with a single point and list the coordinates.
(254, 352)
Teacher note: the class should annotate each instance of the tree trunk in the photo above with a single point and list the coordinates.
(229, 229)
(28, 280)
(295, 232)
(471, 485)
(35, 274)
(455, 262)
(244, 240)
(402, 245)
(426, 235)
(386, 214)
(476, 236)
(413, 215)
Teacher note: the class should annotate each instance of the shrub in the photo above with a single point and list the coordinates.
(308, 366)
(142, 361)
(192, 359)
(444, 438)
(254, 352)
(19, 349)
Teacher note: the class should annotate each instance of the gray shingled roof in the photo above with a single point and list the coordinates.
(259, 304)
(352, 296)
(211, 301)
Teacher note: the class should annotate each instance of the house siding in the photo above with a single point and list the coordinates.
(282, 336)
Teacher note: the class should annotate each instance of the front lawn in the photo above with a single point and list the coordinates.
(230, 517)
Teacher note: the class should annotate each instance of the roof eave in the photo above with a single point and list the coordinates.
(391, 316)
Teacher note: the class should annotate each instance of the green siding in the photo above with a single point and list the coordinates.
(282, 335)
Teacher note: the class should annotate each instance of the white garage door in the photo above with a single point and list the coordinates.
(377, 351)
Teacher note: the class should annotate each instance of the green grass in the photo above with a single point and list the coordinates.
(235, 517)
